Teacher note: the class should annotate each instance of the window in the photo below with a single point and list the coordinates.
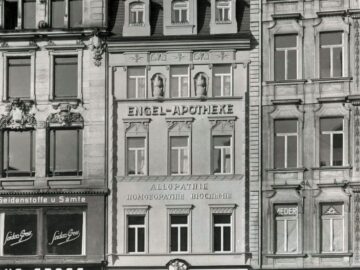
(136, 159)
(222, 85)
(180, 11)
(179, 155)
(179, 233)
(65, 77)
(18, 153)
(136, 82)
(331, 54)
(65, 152)
(18, 67)
(331, 141)
(136, 233)
(222, 232)
(332, 227)
(179, 81)
(27, 11)
(137, 14)
(222, 154)
(286, 140)
(286, 228)
(223, 11)
(65, 232)
(285, 57)
(60, 19)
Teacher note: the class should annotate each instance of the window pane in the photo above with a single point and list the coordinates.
(338, 235)
(325, 62)
(131, 239)
(280, 236)
(279, 153)
(141, 240)
(136, 220)
(227, 86)
(184, 237)
(75, 13)
(330, 38)
(331, 124)
(19, 68)
(217, 86)
(136, 142)
(64, 234)
(325, 150)
(291, 65)
(11, 14)
(337, 62)
(174, 162)
(227, 160)
(222, 219)
(292, 152)
(222, 69)
(181, 219)
(20, 152)
(66, 79)
(57, 13)
(286, 126)
(217, 239)
(338, 150)
(285, 41)
(292, 235)
(326, 238)
(227, 239)
(222, 140)
(217, 160)
(279, 65)
(29, 14)
(20, 234)
(174, 239)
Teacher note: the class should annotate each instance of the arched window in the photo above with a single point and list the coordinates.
(137, 13)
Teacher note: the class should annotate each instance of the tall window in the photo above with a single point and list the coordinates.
(27, 11)
(222, 85)
(136, 159)
(286, 139)
(180, 11)
(332, 227)
(137, 14)
(179, 228)
(136, 82)
(223, 11)
(65, 152)
(331, 54)
(58, 16)
(18, 153)
(222, 232)
(135, 233)
(179, 155)
(179, 81)
(17, 68)
(331, 141)
(286, 228)
(285, 57)
(222, 154)
(65, 77)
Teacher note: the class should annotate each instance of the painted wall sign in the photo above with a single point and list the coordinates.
(286, 210)
(42, 200)
(212, 109)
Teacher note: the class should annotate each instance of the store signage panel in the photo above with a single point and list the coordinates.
(26, 200)
(64, 234)
(20, 234)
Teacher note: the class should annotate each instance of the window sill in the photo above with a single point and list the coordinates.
(284, 170)
(286, 82)
(223, 22)
(293, 101)
(332, 168)
(201, 98)
(335, 79)
(288, 255)
(333, 254)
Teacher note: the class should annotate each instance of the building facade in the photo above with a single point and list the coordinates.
(310, 134)
(53, 183)
(178, 84)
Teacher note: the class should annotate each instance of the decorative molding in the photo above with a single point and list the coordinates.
(136, 57)
(201, 56)
(331, 13)
(179, 123)
(18, 115)
(177, 264)
(97, 47)
(158, 57)
(64, 117)
(4, 46)
(222, 208)
(180, 209)
(286, 16)
(136, 209)
(224, 123)
(139, 125)
(53, 46)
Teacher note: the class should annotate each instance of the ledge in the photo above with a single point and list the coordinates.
(286, 186)
(300, 255)
(173, 178)
(5, 47)
(331, 13)
(354, 13)
(332, 168)
(286, 16)
(354, 99)
(331, 80)
(293, 101)
(332, 255)
(300, 81)
(195, 99)
(335, 184)
(286, 170)
(331, 99)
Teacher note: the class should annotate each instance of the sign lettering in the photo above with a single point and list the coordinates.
(59, 238)
(42, 200)
(287, 211)
(19, 238)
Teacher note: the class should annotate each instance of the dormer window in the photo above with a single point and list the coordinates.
(137, 14)
(180, 12)
(223, 11)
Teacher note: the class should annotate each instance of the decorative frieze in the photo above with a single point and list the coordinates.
(18, 115)
(65, 117)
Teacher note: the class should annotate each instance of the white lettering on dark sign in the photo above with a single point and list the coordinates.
(19, 238)
(287, 211)
(59, 238)
(43, 200)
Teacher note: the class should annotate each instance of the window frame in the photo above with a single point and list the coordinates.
(332, 47)
(137, 11)
(221, 9)
(145, 155)
(187, 148)
(79, 55)
(20, 16)
(179, 78)
(67, 11)
(11, 55)
(222, 76)
(180, 9)
(231, 148)
(145, 77)
(286, 51)
(179, 228)
(137, 29)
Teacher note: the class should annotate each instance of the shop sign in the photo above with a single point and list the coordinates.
(22, 200)
(286, 210)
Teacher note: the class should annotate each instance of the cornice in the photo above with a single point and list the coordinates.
(172, 178)
(331, 13)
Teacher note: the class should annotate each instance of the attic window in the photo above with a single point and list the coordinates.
(223, 11)
(137, 14)
(180, 12)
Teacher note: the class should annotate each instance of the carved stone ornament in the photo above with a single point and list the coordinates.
(158, 85)
(179, 124)
(65, 117)
(18, 115)
(222, 124)
(201, 83)
(97, 47)
(177, 264)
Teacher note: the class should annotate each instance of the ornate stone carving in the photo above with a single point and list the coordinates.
(201, 83)
(158, 85)
(18, 115)
(136, 57)
(65, 117)
(223, 123)
(158, 57)
(136, 210)
(179, 124)
(177, 264)
(201, 56)
(97, 47)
